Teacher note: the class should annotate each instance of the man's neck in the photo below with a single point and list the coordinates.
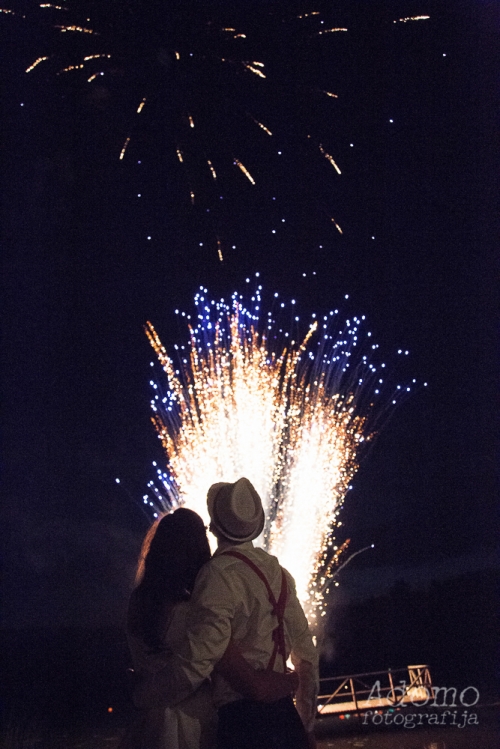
(225, 543)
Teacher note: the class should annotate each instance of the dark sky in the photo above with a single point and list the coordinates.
(417, 256)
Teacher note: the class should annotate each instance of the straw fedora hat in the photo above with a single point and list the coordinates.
(236, 510)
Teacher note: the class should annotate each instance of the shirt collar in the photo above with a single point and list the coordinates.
(225, 545)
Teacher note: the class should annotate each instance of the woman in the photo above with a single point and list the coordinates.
(173, 552)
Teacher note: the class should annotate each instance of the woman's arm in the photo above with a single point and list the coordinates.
(263, 686)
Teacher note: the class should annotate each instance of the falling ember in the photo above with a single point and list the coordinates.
(141, 106)
(330, 31)
(125, 145)
(337, 226)
(211, 167)
(34, 64)
(219, 250)
(245, 171)
(254, 69)
(412, 18)
(191, 195)
(70, 68)
(264, 128)
(293, 416)
(329, 158)
(329, 93)
(96, 57)
(78, 29)
(94, 76)
(191, 121)
(179, 156)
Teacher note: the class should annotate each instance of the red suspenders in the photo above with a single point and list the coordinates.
(278, 607)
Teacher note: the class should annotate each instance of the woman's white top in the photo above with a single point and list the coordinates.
(191, 724)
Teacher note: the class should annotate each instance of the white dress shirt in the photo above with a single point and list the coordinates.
(230, 602)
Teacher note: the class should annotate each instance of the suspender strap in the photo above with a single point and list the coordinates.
(278, 607)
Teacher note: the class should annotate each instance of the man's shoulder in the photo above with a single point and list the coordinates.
(224, 562)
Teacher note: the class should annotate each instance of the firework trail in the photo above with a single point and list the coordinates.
(291, 412)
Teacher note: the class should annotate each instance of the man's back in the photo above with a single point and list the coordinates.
(231, 602)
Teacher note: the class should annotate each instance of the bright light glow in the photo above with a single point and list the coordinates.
(291, 415)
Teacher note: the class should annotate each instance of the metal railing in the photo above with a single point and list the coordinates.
(375, 689)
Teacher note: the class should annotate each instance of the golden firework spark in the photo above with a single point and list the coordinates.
(254, 67)
(77, 29)
(412, 18)
(329, 158)
(337, 226)
(261, 125)
(212, 170)
(70, 68)
(244, 170)
(34, 64)
(331, 31)
(96, 57)
(124, 148)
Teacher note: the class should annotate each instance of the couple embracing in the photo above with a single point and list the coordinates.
(210, 637)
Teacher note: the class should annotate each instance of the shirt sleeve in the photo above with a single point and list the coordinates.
(208, 632)
(304, 656)
(209, 621)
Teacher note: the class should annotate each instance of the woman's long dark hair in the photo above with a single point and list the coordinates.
(173, 552)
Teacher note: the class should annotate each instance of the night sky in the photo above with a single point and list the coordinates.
(87, 261)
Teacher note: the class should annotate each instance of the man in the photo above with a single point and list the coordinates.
(244, 596)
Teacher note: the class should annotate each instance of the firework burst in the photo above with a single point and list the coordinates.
(292, 412)
(199, 84)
